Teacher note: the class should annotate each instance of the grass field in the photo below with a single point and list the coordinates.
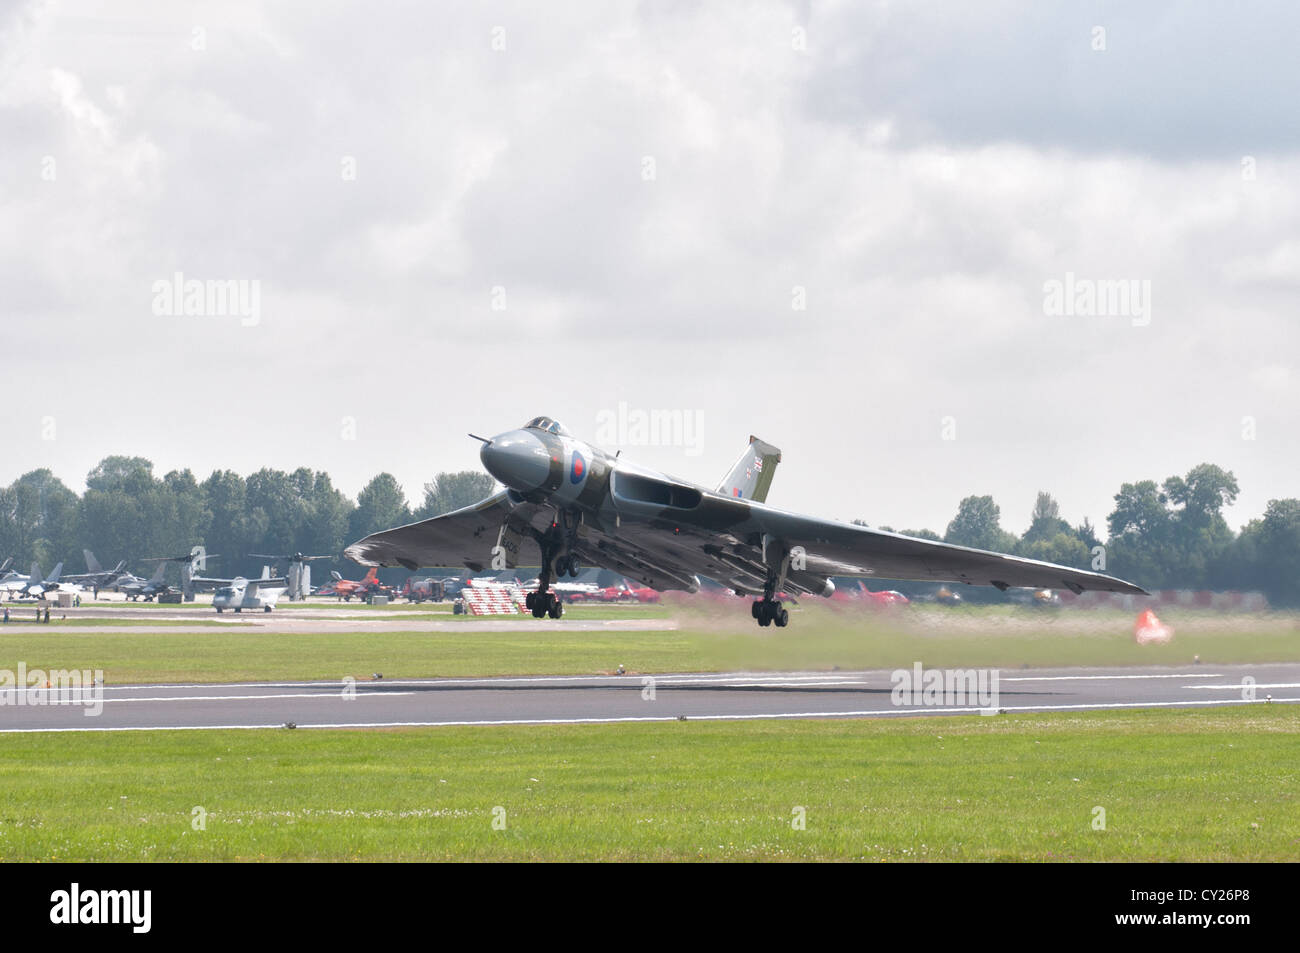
(818, 638)
(26, 622)
(1174, 785)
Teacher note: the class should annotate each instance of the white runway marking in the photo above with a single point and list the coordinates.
(54, 693)
(705, 678)
(1084, 678)
(763, 716)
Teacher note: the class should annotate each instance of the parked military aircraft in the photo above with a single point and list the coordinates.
(299, 574)
(32, 586)
(96, 576)
(10, 581)
(566, 502)
(147, 589)
(345, 589)
(240, 593)
(8, 576)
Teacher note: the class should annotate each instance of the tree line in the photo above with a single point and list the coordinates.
(1166, 535)
(129, 513)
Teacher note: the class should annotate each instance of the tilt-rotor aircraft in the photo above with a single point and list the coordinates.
(566, 503)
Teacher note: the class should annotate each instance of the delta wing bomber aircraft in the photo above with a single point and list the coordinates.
(567, 503)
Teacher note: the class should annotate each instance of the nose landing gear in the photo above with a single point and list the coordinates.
(543, 602)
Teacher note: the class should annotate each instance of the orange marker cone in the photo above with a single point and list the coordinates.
(1148, 629)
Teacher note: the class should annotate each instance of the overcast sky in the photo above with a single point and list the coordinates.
(830, 225)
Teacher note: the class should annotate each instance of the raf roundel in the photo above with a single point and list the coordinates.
(579, 468)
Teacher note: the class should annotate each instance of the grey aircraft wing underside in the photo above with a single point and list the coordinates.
(832, 548)
(735, 542)
(463, 537)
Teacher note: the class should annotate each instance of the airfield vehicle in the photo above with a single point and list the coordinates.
(429, 589)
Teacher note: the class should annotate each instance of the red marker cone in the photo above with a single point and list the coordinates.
(1148, 629)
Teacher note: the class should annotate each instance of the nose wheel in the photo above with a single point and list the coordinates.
(768, 611)
(558, 559)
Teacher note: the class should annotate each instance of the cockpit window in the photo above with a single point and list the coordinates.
(547, 424)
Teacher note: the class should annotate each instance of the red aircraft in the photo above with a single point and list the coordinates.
(345, 589)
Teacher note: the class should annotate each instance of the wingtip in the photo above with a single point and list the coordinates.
(357, 553)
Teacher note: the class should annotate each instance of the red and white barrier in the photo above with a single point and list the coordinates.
(492, 599)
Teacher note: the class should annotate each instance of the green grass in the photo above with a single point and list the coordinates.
(1001, 636)
(1186, 786)
(246, 655)
(818, 638)
(443, 613)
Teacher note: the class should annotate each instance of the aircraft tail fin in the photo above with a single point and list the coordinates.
(54, 576)
(159, 573)
(372, 576)
(751, 477)
(4, 567)
(92, 564)
(35, 578)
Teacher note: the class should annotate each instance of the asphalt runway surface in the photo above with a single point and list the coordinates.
(627, 698)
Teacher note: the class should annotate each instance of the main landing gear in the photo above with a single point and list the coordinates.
(767, 610)
(543, 603)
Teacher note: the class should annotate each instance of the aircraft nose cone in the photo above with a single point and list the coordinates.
(518, 459)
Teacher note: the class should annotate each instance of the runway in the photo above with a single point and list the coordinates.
(625, 699)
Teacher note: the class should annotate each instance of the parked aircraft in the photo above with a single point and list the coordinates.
(148, 589)
(299, 574)
(31, 586)
(566, 502)
(12, 582)
(7, 575)
(96, 576)
(345, 589)
(240, 593)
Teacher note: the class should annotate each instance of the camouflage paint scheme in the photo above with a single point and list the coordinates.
(565, 497)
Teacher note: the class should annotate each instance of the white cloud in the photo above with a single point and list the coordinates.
(919, 176)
